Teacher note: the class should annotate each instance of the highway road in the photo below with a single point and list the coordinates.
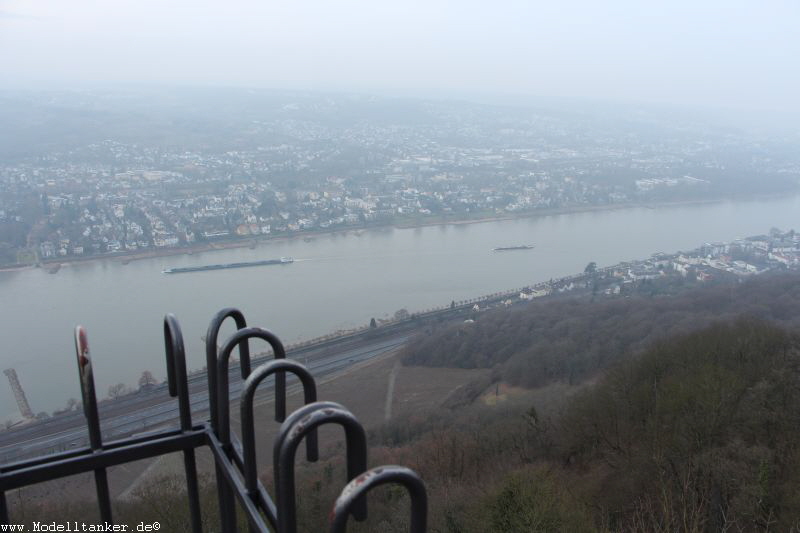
(146, 411)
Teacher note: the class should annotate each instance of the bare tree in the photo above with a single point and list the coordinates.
(147, 379)
(115, 391)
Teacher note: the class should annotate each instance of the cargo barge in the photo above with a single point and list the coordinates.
(509, 248)
(244, 264)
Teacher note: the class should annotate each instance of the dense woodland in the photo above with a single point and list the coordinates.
(677, 413)
(571, 339)
(699, 432)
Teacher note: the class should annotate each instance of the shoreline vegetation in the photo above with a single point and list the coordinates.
(54, 265)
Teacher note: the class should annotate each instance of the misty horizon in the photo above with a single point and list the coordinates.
(718, 55)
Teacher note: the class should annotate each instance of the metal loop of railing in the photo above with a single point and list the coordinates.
(247, 416)
(222, 393)
(357, 489)
(222, 428)
(178, 385)
(89, 399)
(211, 354)
(235, 462)
(300, 423)
(224, 496)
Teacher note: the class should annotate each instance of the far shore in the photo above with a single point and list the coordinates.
(54, 265)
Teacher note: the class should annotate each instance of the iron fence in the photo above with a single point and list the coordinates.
(235, 460)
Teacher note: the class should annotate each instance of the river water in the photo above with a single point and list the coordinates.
(337, 281)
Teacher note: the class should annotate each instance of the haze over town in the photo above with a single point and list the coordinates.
(736, 55)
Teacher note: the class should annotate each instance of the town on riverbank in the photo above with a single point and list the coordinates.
(116, 192)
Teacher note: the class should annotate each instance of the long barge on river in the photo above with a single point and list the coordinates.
(509, 248)
(244, 264)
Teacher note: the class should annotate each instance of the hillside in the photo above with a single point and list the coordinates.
(572, 339)
(680, 417)
(697, 433)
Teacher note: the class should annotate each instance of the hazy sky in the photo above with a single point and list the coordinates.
(724, 52)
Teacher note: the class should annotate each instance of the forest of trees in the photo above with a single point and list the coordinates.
(698, 432)
(571, 339)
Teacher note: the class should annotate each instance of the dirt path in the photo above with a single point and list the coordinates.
(152, 468)
(387, 410)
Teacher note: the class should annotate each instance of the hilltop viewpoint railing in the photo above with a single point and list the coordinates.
(234, 457)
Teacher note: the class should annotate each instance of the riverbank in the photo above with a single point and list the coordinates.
(409, 223)
(341, 285)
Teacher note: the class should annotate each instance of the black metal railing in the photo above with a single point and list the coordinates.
(235, 460)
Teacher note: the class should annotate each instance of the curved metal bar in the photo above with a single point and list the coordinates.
(89, 397)
(179, 386)
(227, 504)
(247, 415)
(292, 431)
(358, 488)
(223, 394)
(227, 511)
(176, 368)
(211, 354)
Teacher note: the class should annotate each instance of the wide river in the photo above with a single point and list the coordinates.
(338, 281)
